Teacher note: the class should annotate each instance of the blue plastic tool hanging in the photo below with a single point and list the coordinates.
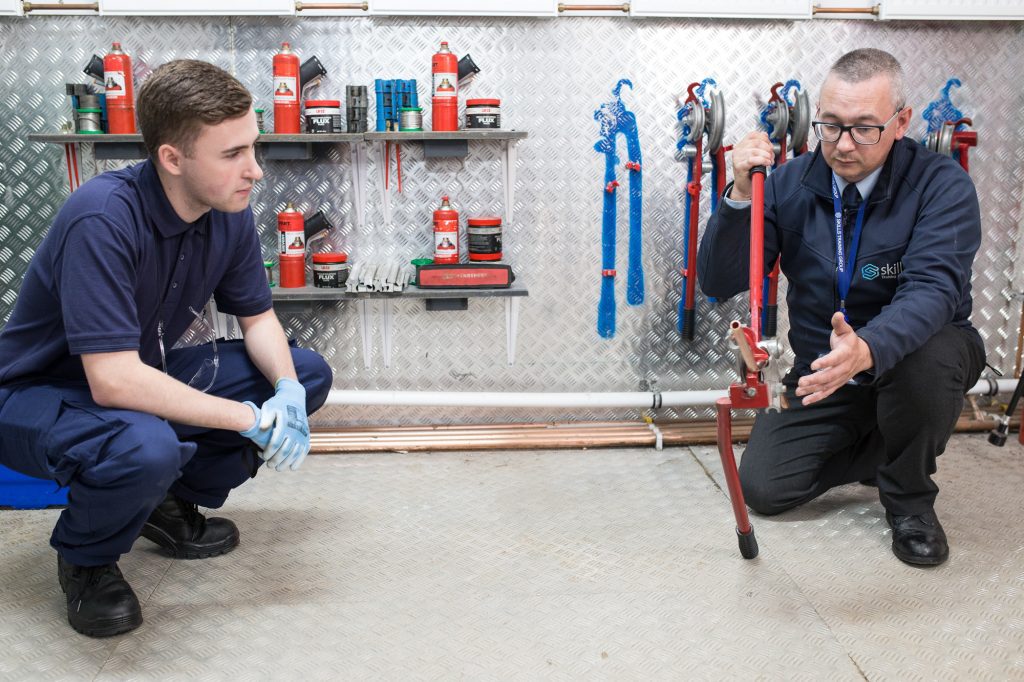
(615, 119)
(941, 110)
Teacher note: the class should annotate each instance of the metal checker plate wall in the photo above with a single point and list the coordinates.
(550, 75)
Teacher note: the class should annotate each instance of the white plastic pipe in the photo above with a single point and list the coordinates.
(984, 387)
(645, 400)
(501, 399)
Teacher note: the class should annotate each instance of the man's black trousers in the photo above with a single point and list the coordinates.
(891, 430)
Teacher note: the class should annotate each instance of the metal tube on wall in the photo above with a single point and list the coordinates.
(300, 6)
(624, 7)
(69, 7)
(498, 399)
(875, 9)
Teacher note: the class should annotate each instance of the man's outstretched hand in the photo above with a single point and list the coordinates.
(850, 356)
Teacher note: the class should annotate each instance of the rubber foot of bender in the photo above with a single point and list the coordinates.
(748, 543)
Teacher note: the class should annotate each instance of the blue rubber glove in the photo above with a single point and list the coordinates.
(261, 437)
(286, 414)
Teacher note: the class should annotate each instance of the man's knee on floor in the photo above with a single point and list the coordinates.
(314, 374)
(760, 495)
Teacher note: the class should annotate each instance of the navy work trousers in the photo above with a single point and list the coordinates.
(119, 464)
(891, 430)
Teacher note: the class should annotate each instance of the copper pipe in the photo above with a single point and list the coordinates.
(495, 435)
(516, 436)
(462, 427)
(624, 7)
(33, 6)
(817, 9)
(477, 435)
(500, 431)
(546, 436)
(299, 6)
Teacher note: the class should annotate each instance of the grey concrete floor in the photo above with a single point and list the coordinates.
(601, 564)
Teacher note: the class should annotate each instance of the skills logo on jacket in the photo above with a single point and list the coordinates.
(887, 271)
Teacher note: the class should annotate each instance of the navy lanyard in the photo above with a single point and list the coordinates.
(845, 262)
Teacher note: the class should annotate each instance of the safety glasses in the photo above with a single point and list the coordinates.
(206, 375)
(861, 134)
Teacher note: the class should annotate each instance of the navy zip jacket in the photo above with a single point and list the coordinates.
(912, 274)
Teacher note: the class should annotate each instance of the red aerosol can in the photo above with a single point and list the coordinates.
(286, 91)
(444, 103)
(117, 79)
(291, 232)
(446, 234)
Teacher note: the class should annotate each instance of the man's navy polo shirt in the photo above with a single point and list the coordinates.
(117, 261)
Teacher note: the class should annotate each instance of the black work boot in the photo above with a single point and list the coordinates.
(101, 603)
(178, 527)
(918, 540)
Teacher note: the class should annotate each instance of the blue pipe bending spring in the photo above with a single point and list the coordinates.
(615, 119)
(942, 109)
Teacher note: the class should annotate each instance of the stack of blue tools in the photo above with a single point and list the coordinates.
(393, 95)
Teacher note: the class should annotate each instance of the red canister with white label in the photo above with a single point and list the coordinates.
(286, 91)
(117, 77)
(446, 234)
(291, 233)
(444, 102)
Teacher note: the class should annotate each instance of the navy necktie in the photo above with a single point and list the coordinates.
(851, 202)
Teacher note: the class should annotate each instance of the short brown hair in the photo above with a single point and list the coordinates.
(182, 95)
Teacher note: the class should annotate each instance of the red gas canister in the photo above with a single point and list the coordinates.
(446, 234)
(291, 232)
(286, 91)
(293, 271)
(117, 79)
(444, 103)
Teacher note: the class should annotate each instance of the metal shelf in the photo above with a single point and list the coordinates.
(450, 144)
(472, 134)
(66, 138)
(107, 146)
(436, 299)
(299, 146)
(309, 293)
(274, 138)
(286, 300)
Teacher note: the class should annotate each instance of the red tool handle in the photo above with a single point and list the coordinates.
(694, 189)
(962, 140)
(757, 174)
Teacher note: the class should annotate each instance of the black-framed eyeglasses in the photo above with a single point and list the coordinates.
(861, 134)
(206, 375)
